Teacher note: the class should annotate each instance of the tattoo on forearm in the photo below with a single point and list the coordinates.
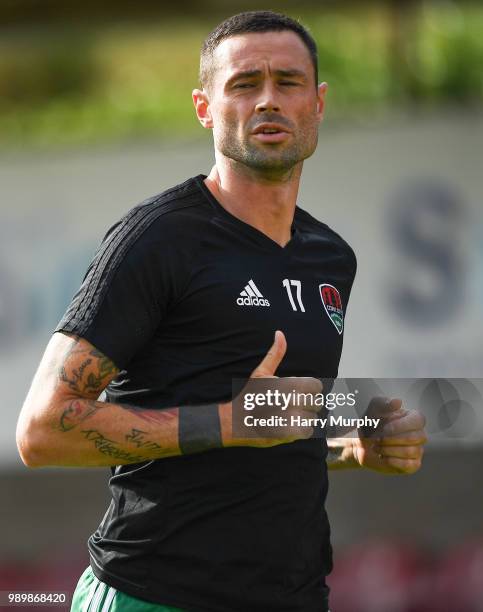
(138, 438)
(75, 379)
(94, 373)
(79, 410)
(199, 428)
(110, 447)
(105, 365)
(76, 412)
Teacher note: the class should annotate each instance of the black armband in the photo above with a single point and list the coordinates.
(199, 428)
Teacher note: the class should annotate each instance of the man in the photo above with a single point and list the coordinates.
(187, 293)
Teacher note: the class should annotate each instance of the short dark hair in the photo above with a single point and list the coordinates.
(249, 22)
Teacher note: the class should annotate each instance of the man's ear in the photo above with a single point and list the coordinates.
(202, 107)
(321, 91)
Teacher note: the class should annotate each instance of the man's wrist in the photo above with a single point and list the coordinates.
(226, 424)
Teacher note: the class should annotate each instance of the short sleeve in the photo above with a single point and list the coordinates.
(127, 289)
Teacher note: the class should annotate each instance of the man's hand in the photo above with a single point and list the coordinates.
(397, 446)
(275, 435)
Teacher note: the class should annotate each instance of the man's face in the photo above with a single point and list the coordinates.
(263, 105)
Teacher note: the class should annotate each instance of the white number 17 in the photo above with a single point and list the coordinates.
(298, 285)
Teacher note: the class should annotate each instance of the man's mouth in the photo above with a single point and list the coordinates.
(271, 133)
(269, 128)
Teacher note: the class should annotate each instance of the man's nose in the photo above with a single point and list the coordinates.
(268, 100)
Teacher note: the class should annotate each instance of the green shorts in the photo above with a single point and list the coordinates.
(92, 595)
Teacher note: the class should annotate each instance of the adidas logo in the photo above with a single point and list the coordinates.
(251, 296)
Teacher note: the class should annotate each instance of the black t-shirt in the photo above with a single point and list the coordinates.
(184, 297)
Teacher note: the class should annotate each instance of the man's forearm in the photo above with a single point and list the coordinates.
(93, 433)
(341, 454)
(62, 422)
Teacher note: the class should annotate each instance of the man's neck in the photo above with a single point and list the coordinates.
(263, 201)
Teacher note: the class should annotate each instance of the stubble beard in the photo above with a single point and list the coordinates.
(267, 158)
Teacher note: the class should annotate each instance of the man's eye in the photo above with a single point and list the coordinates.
(290, 83)
(243, 85)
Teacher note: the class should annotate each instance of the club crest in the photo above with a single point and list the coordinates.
(330, 297)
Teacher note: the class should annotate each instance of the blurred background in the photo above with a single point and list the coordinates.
(96, 115)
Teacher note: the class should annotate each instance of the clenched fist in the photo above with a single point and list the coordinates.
(396, 447)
